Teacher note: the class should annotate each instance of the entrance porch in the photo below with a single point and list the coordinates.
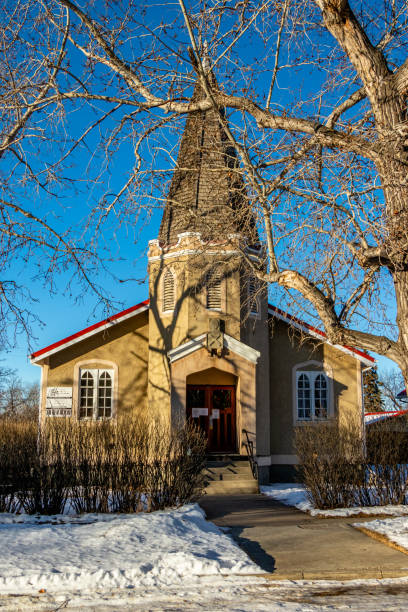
(217, 391)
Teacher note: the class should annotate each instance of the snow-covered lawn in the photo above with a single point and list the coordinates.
(395, 529)
(295, 495)
(115, 551)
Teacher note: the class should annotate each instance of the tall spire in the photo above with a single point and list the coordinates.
(207, 193)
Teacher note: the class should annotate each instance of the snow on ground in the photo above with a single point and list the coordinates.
(395, 529)
(115, 551)
(227, 594)
(296, 495)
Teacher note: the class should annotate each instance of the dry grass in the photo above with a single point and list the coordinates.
(339, 473)
(130, 465)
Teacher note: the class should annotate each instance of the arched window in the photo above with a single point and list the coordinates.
(320, 397)
(105, 395)
(168, 291)
(252, 296)
(95, 394)
(312, 395)
(303, 397)
(86, 399)
(214, 291)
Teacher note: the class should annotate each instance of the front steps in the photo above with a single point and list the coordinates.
(229, 475)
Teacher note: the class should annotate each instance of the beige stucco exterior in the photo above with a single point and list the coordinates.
(190, 260)
(289, 351)
(122, 347)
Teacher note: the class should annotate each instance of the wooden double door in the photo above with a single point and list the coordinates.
(212, 407)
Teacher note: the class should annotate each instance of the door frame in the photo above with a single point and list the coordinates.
(209, 405)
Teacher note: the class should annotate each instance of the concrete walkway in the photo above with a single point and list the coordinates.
(290, 544)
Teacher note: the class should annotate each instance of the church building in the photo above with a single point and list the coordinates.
(206, 344)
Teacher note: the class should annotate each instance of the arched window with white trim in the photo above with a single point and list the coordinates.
(214, 291)
(312, 395)
(95, 394)
(169, 293)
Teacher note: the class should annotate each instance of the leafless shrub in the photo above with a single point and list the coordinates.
(387, 455)
(17, 448)
(337, 473)
(130, 465)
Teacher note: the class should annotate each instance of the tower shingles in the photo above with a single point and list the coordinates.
(207, 193)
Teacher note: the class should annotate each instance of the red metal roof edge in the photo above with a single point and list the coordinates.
(387, 412)
(390, 415)
(127, 311)
(319, 331)
(86, 330)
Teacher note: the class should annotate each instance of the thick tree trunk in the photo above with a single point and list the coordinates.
(394, 176)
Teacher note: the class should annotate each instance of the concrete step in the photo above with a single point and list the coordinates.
(232, 468)
(232, 487)
(229, 476)
(224, 459)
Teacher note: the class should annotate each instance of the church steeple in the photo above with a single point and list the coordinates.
(207, 193)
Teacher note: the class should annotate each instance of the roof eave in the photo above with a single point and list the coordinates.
(319, 335)
(38, 356)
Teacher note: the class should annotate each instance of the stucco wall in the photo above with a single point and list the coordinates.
(286, 352)
(190, 317)
(124, 346)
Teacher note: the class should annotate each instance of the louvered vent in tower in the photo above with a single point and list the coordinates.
(168, 291)
(214, 291)
(252, 296)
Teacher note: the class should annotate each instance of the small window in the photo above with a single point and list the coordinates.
(312, 396)
(214, 291)
(95, 394)
(168, 291)
(252, 296)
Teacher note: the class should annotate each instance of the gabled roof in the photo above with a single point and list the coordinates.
(89, 331)
(319, 334)
(142, 306)
(236, 346)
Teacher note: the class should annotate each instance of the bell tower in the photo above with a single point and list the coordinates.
(198, 280)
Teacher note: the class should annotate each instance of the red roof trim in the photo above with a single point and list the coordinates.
(318, 331)
(386, 412)
(134, 309)
(385, 415)
(91, 328)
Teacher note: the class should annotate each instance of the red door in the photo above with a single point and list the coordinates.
(212, 407)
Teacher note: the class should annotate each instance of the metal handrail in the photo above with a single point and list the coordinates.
(249, 445)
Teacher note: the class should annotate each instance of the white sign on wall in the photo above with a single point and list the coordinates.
(58, 402)
(197, 412)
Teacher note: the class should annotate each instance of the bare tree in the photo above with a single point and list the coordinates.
(392, 383)
(18, 399)
(315, 93)
(33, 68)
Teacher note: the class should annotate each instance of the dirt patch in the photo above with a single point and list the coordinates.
(381, 538)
